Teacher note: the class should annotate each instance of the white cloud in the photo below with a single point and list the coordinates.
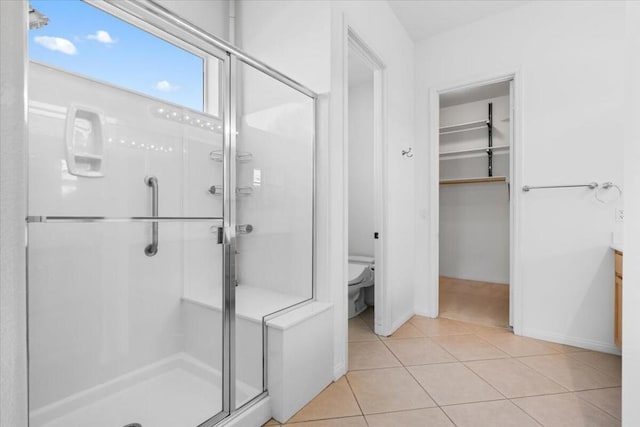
(102, 36)
(57, 43)
(165, 86)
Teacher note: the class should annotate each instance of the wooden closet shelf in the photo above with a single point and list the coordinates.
(463, 127)
(473, 180)
(475, 150)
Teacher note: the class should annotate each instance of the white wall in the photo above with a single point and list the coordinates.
(474, 232)
(13, 209)
(290, 36)
(361, 179)
(631, 268)
(569, 56)
(395, 49)
(474, 219)
(210, 15)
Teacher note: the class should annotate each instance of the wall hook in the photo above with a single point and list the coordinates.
(407, 153)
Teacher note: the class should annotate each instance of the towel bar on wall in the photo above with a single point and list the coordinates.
(591, 185)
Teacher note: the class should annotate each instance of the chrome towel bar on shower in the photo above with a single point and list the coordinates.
(591, 185)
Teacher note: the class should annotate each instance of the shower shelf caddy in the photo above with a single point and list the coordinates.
(489, 149)
(241, 157)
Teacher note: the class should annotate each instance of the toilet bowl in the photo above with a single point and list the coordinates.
(361, 278)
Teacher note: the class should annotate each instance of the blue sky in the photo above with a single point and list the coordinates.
(85, 40)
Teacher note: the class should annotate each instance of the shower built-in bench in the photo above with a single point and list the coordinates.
(300, 339)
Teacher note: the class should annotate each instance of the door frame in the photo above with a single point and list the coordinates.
(515, 168)
(354, 43)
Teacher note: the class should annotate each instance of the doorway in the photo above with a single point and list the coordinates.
(475, 140)
(364, 185)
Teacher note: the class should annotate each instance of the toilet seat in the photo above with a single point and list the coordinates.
(358, 273)
(361, 259)
(360, 277)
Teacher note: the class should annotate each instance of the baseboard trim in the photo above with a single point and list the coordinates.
(338, 371)
(572, 341)
(425, 313)
(401, 321)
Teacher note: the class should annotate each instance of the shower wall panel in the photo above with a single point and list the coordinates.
(139, 136)
(276, 125)
(99, 307)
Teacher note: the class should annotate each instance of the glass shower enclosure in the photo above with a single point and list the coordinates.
(161, 236)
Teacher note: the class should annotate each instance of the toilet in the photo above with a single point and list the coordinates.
(361, 281)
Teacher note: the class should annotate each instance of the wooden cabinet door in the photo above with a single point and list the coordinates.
(618, 312)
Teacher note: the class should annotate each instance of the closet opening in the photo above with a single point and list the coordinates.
(475, 169)
(364, 189)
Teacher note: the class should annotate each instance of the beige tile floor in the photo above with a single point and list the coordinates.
(443, 372)
(476, 302)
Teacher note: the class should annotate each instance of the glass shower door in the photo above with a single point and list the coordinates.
(112, 339)
(126, 296)
(272, 157)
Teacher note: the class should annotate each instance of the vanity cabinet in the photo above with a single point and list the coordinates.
(617, 331)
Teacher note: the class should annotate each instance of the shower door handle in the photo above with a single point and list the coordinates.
(152, 248)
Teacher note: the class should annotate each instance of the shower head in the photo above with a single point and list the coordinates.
(36, 19)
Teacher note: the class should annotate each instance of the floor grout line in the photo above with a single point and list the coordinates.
(394, 355)
(485, 381)
(599, 388)
(353, 393)
(536, 371)
(526, 413)
(553, 394)
(551, 379)
(422, 387)
(589, 364)
(595, 406)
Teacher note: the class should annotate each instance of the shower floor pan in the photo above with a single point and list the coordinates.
(180, 392)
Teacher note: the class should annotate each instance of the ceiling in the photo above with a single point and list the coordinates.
(425, 18)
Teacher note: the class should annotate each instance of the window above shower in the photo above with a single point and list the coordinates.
(84, 40)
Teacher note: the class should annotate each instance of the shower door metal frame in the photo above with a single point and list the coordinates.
(235, 64)
(152, 13)
(229, 254)
(152, 17)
